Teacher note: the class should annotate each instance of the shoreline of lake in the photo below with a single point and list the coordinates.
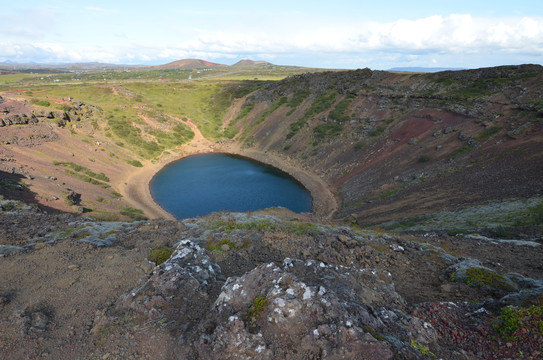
(135, 188)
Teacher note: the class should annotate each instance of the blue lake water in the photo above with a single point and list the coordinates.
(201, 184)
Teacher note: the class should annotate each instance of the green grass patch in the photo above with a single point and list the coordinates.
(265, 115)
(40, 102)
(489, 132)
(294, 227)
(321, 103)
(338, 113)
(134, 163)
(82, 169)
(389, 193)
(326, 131)
(179, 135)
(88, 179)
(134, 214)
(160, 254)
(296, 99)
(378, 130)
(230, 132)
(295, 127)
(461, 151)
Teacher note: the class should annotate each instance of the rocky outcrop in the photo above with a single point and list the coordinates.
(293, 310)
(18, 119)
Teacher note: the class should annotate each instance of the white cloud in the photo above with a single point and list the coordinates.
(426, 39)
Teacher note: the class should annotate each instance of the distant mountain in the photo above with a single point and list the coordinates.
(72, 66)
(189, 64)
(424, 69)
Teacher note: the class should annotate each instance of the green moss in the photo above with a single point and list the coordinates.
(160, 254)
(255, 311)
(216, 246)
(489, 132)
(425, 350)
(374, 333)
(479, 277)
(8, 206)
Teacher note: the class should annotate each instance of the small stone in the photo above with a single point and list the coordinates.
(73, 267)
(39, 321)
(225, 247)
(147, 267)
(39, 246)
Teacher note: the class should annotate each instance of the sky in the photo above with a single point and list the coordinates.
(326, 34)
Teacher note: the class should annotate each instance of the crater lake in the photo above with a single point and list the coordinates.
(201, 184)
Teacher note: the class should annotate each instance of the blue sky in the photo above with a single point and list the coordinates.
(341, 34)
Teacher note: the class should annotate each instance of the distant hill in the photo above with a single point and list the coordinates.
(424, 69)
(189, 64)
(246, 63)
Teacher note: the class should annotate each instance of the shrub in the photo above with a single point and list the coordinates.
(424, 158)
(529, 319)
(116, 195)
